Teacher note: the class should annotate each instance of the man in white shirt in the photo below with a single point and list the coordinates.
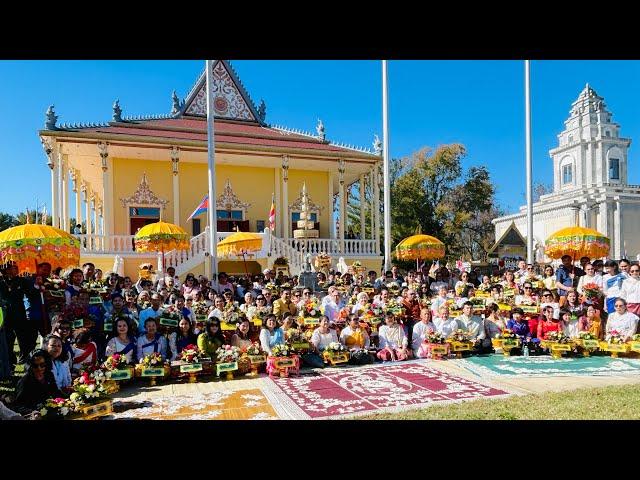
(473, 325)
(421, 330)
(590, 276)
(446, 325)
(154, 311)
(622, 321)
(333, 304)
(631, 290)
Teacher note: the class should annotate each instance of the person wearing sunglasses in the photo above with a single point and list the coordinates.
(622, 321)
(631, 290)
(548, 300)
(37, 385)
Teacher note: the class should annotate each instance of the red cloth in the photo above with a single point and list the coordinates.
(544, 327)
(634, 308)
(533, 326)
(412, 309)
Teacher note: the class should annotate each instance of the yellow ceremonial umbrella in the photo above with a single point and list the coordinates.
(577, 242)
(240, 243)
(417, 247)
(31, 244)
(161, 237)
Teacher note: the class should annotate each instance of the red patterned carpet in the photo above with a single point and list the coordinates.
(391, 387)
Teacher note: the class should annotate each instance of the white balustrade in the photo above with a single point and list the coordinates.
(331, 246)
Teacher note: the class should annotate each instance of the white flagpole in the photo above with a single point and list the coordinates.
(529, 169)
(386, 174)
(211, 154)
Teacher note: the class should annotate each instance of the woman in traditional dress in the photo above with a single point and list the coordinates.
(151, 341)
(241, 340)
(271, 335)
(355, 338)
(591, 322)
(320, 340)
(85, 351)
(74, 285)
(60, 360)
(548, 323)
(180, 338)
(122, 341)
(393, 342)
(549, 279)
(622, 321)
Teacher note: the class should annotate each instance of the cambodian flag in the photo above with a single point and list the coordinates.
(204, 205)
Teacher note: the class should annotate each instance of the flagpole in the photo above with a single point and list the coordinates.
(386, 174)
(527, 88)
(211, 211)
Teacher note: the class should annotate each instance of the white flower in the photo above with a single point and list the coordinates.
(91, 388)
(313, 312)
(64, 411)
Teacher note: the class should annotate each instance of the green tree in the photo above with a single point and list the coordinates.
(7, 221)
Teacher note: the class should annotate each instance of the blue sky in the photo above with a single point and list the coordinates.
(477, 103)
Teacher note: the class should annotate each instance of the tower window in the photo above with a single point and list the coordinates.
(567, 174)
(570, 138)
(607, 133)
(614, 169)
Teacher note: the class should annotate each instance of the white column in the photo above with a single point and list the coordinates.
(371, 207)
(332, 223)
(87, 216)
(604, 225)
(55, 210)
(362, 207)
(64, 178)
(376, 206)
(386, 174)
(75, 177)
(60, 196)
(285, 197)
(175, 159)
(95, 219)
(278, 205)
(617, 229)
(584, 216)
(343, 226)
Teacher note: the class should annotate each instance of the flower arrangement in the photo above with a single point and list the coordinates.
(592, 291)
(171, 313)
(435, 337)
(191, 354)
(200, 309)
(227, 354)
(459, 336)
(261, 312)
(152, 360)
(232, 314)
(636, 337)
(115, 362)
(506, 334)
(280, 350)
(586, 336)
(253, 349)
(295, 335)
(556, 337)
(311, 308)
(89, 386)
(56, 408)
(394, 307)
(614, 337)
(95, 287)
(336, 347)
(272, 287)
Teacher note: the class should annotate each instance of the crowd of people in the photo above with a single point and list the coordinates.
(82, 316)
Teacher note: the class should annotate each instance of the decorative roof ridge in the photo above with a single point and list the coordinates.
(351, 147)
(295, 131)
(201, 81)
(81, 125)
(137, 118)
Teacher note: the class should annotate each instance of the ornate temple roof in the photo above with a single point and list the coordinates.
(237, 120)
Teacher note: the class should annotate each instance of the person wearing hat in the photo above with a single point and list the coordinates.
(284, 304)
(519, 324)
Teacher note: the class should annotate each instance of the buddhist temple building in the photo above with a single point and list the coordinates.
(131, 171)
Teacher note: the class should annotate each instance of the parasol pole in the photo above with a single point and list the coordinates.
(211, 212)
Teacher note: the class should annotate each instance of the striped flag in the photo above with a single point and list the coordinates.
(204, 205)
(272, 214)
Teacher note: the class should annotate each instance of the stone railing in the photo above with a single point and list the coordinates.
(334, 247)
(106, 244)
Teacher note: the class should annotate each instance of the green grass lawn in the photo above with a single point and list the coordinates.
(606, 403)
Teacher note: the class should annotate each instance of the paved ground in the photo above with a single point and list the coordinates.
(337, 392)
